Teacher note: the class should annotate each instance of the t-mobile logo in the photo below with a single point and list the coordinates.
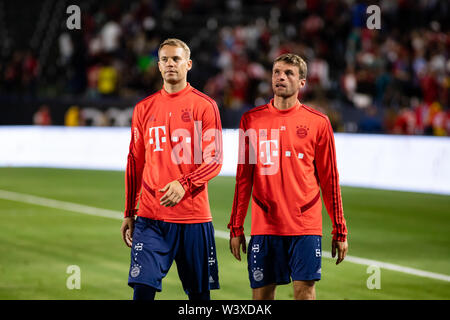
(268, 152)
(156, 139)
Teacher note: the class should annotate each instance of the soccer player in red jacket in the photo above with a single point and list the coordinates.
(286, 155)
(175, 149)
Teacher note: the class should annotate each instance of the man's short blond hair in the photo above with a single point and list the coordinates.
(176, 43)
(295, 60)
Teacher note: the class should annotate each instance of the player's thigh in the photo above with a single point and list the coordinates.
(153, 251)
(268, 261)
(197, 259)
(305, 258)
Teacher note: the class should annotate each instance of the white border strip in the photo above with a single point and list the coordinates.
(78, 208)
(390, 162)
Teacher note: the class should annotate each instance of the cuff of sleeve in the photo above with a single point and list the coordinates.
(130, 213)
(340, 237)
(184, 183)
(235, 231)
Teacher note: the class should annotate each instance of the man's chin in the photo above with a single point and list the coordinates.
(283, 93)
(172, 80)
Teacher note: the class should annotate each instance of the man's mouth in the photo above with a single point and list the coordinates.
(279, 85)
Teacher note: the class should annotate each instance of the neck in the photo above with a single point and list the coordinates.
(175, 87)
(283, 103)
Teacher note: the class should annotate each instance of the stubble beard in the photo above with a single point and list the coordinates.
(284, 93)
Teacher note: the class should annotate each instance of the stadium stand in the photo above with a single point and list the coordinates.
(393, 80)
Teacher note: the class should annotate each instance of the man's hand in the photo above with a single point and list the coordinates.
(235, 246)
(342, 248)
(175, 192)
(127, 229)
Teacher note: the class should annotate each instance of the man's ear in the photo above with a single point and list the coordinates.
(302, 83)
(189, 64)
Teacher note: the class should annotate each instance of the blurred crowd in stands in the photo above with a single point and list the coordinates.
(393, 80)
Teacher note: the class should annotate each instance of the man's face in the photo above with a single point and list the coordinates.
(173, 64)
(286, 80)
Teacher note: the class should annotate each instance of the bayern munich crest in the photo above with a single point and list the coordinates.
(258, 275)
(186, 115)
(302, 131)
(135, 271)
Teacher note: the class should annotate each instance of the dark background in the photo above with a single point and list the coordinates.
(394, 80)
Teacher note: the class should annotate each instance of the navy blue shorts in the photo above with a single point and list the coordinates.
(276, 259)
(156, 244)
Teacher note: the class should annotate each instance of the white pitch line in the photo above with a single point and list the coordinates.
(78, 208)
(68, 206)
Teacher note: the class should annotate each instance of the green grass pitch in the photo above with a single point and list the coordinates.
(38, 243)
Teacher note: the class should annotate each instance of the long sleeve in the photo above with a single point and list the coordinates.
(135, 166)
(326, 166)
(210, 133)
(244, 184)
